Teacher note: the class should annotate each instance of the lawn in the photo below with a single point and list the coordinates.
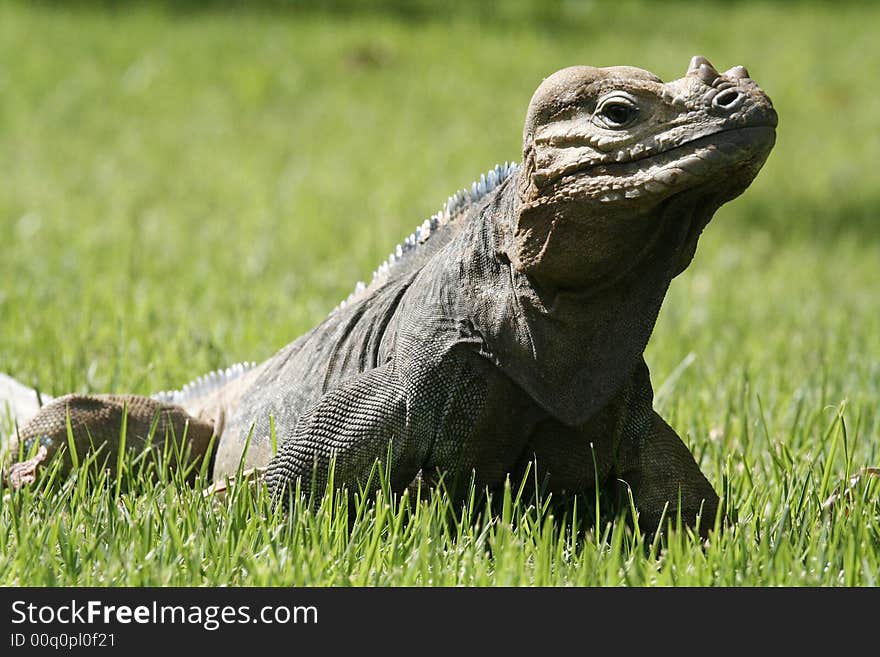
(191, 188)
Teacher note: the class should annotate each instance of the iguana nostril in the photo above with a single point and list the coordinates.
(727, 99)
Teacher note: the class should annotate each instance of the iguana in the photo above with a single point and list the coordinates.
(509, 327)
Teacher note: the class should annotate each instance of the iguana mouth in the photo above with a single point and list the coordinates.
(691, 144)
(686, 164)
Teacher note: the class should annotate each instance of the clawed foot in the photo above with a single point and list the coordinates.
(850, 486)
(24, 473)
(252, 477)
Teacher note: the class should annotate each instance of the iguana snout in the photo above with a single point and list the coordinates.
(603, 148)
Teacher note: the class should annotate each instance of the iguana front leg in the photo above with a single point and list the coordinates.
(656, 465)
(366, 419)
(627, 445)
(663, 476)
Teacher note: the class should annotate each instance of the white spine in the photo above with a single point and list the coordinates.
(204, 384)
(487, 183)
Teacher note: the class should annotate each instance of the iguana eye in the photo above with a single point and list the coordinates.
(616, 112)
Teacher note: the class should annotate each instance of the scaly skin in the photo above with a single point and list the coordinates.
(511, 329)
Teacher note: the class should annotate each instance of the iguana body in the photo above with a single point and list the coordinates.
(510, 327)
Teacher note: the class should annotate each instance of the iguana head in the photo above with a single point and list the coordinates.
(612, 155)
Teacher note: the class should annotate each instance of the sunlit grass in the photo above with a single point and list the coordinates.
(156, 530)
(186, 190)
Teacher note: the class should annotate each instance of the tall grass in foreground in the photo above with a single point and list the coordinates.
(143, 525)
(187, 189)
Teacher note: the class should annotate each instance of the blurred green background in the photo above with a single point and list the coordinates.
(190, 184)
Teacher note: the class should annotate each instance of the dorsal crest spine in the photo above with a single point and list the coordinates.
(204, 384)
(454, 205)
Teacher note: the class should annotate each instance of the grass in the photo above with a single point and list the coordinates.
(183, 190)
